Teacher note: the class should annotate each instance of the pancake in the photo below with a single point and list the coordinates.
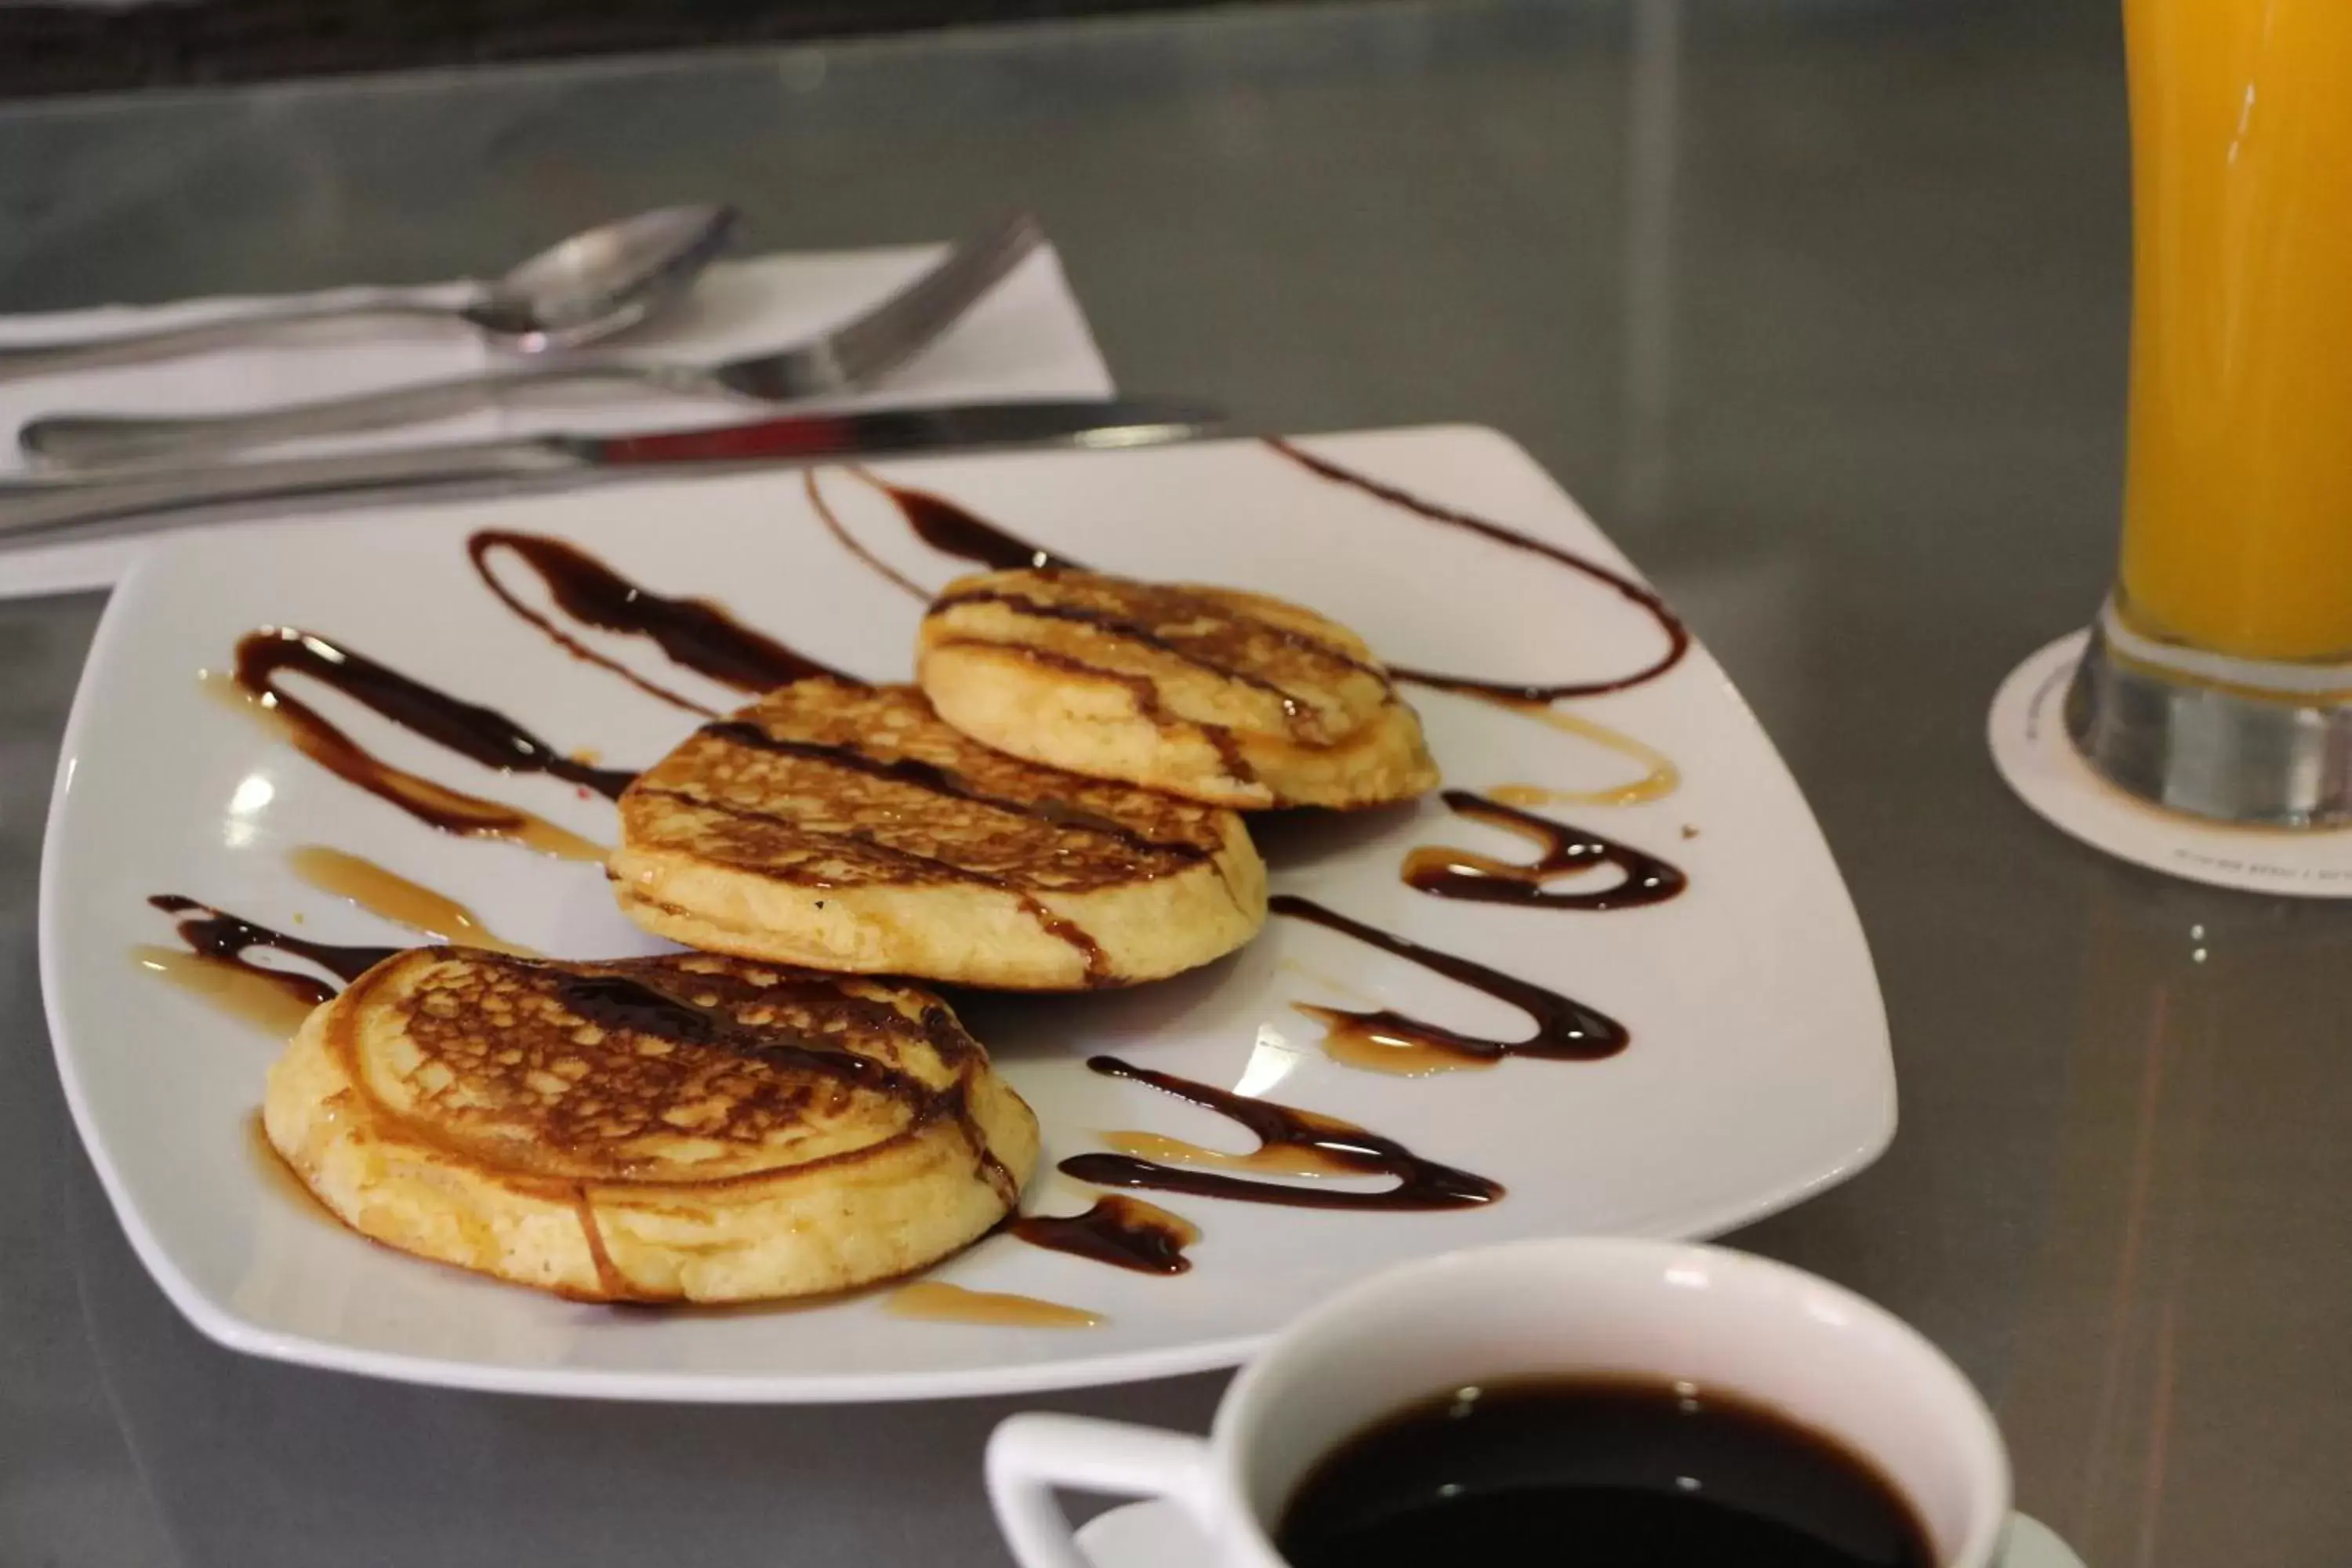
(846, 827)
(689, 1128)
(1220, 696)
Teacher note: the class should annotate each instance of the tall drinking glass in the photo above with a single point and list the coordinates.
(2218, 678)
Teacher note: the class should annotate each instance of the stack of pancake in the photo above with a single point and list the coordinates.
(1054, 806)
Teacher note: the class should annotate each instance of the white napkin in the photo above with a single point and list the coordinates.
(1027, 339)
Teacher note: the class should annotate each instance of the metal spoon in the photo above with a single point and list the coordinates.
(589, 287)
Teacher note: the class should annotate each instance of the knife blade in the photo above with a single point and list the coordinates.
(40, 508)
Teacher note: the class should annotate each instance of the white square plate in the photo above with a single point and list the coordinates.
(1758, 1070)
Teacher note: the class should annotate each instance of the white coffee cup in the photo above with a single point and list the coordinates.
(1730, 1322)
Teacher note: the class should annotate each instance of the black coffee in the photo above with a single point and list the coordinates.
(1604, 1474)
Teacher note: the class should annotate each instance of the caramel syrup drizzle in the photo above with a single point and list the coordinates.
(1660, 776)
(937, 1301)
(389, 896)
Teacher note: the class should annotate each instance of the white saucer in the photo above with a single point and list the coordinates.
(2030, 746)
(1159, 1535)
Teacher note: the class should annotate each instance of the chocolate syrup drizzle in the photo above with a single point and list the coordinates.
(1420, 1184)
(1122, 1231)
(484, 734)
(694, 633)
(1678, 638)
(954, 530)
(1461, 874)
(1565, 1029)
(939, 522)
(226, 939)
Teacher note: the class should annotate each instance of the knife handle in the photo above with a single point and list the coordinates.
(798, 436)
(133, 500)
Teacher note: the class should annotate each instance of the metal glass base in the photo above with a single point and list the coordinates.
(2233, 740)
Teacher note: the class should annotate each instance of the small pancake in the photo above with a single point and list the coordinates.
(1213, 694)
(846, 827)
(679, 1129)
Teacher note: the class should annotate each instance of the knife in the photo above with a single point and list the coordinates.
(43, 509)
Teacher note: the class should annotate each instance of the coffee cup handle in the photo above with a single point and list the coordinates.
(1030, 1456)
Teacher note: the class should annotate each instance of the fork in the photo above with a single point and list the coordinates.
(848, 355)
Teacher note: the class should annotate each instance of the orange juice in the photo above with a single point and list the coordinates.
(2238, 502)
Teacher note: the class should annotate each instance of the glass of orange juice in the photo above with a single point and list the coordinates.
(2218, 678)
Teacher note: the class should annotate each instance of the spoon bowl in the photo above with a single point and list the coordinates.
(602, 281)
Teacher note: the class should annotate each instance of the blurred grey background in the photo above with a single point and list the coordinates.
(51, 46)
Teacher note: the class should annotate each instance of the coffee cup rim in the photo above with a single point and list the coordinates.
(1977, 1438)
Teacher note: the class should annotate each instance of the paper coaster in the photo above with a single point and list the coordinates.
(2030, 748)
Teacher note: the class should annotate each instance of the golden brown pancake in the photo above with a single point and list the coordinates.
(846, 828)
(1217, 695)
(691, 1128)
